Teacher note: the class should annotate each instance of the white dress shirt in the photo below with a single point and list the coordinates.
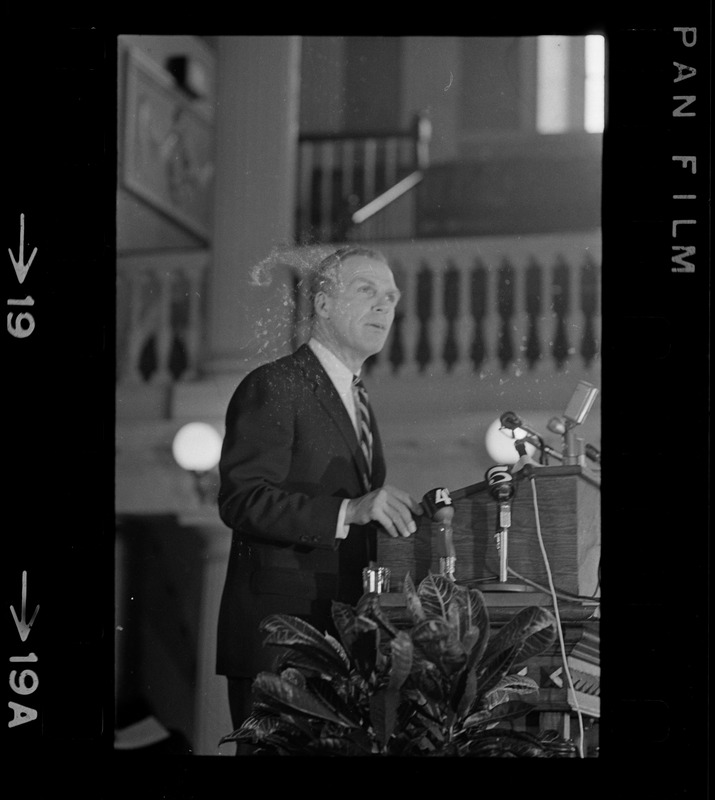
(342, 378)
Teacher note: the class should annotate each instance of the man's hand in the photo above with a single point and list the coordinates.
(392, 508)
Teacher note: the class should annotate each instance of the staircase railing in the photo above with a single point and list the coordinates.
(345, 180)
(159, 317)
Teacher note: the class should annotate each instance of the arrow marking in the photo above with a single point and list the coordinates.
(21, 268)
(23, 628)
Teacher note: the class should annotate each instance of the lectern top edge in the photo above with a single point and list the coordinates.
(539, 472)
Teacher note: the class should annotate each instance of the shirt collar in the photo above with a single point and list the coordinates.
(340, 374)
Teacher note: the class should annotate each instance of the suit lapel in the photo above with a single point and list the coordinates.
(328, 396)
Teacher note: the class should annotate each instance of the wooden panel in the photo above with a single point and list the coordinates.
(568, 506)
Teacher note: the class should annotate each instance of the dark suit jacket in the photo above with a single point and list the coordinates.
(290, 456)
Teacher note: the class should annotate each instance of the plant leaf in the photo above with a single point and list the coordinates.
(351, 628)
(428, 680)
(360, 637)
(501, 742)
(369, 606)
(439, 643)
(402, 651)
(465, 692)
(253, 729)
(435, 593)
(509, 685)
(454, 613)
(284, 630)
(492, 716)
(517, 684)
(412, 600)
(334, 746)
(475, 643)
(339, 649)
(383, 713)
(326, 692)
(306, 661)
(531, 630)
(491, 671)
(288, 697)
(511, 710)
(475, 614)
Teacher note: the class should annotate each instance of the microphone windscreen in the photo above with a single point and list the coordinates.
(435, 500)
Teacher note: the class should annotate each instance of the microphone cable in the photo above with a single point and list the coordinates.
(564, 657)
(562, 594)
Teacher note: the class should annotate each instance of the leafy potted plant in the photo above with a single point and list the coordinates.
(439, 685)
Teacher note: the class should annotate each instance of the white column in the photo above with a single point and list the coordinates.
(256, 147)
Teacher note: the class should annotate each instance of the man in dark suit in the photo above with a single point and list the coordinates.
(302, 472)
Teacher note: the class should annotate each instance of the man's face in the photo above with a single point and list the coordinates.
(358, 312)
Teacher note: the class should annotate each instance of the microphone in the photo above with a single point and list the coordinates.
(437, 504)
(525, 462)
(436, 500)
(593, 453)
(558, 426)
(510, 420)
(576, 412)
(501, 487)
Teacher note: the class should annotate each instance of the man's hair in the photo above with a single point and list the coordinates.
(324, 276)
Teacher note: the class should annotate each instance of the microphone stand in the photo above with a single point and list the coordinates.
(438, 507)
(503, 539)
(510, 421)
(502, 490)
(445, 542)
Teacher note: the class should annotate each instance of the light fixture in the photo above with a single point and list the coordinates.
(500, 441)
(197, 448)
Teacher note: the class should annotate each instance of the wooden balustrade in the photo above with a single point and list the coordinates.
(339, 174)
(491, 305)
(159, 317)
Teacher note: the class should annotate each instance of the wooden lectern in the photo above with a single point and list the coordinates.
(565, 500)
(568, 503)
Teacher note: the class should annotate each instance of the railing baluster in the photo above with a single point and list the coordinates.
(589, 308)
(406, 156)
(391, 162)
(505, 307)
(370, 168)
(193, 325)
(450, 312)
(440, 326)
(164, 337)
(561, 304)
(463, 324)
(478, 306)
(135, 340)
(423, 307)
(520, 320)
(574, 325)
(348, 169)
(533, 308)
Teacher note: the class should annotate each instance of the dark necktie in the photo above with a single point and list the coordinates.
(363, 419)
